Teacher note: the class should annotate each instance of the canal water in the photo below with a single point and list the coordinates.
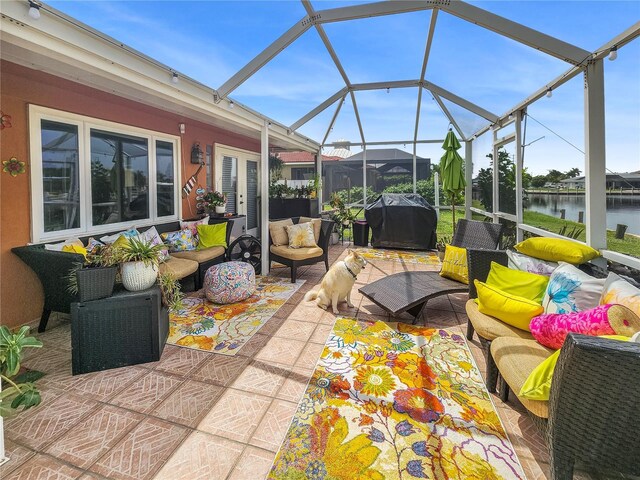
(620, 208)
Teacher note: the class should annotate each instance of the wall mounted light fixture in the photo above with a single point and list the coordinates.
(175, 78)
(613, 53)
(549, 93)
(182, 128)
(196, 153)
(34, 10)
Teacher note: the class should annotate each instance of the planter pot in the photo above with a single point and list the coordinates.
(220, 208)
(335, 238)
(137, 276)
(440, 255)
(95, 283)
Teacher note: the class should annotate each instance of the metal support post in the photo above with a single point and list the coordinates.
(264, 197)
(468, 177)
(519, 170)
(496, 178)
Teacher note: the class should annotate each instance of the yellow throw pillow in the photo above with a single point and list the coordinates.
(317, 225)
(557, 250)
(537, 386)
(121, 241)
(278, 231)
(511, 309)
(75, 249)
(517, 282)
(301, 235)
(454, 264)
(212, 235)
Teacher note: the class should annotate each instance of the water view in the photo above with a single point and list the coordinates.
(623, 209)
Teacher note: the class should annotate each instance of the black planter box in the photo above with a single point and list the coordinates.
(293, 207)
(95, 283)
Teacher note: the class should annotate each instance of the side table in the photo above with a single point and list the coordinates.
(125, 329)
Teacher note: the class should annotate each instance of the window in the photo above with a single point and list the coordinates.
(230, 181)
(302, 173)
(91, 176)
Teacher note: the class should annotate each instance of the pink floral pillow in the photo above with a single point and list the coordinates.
(550, 329)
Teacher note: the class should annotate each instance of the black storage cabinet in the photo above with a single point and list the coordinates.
(127, 328)
(399, 220)
(360, 233)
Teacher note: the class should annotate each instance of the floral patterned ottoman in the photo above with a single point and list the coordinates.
(229, 282)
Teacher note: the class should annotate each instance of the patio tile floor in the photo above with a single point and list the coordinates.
(196, 414)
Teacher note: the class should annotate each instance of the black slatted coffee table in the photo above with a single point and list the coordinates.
(409, 291)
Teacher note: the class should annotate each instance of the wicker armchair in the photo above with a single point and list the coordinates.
(592, 418)
(278, 254)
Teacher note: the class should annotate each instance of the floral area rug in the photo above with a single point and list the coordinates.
(392, 401)
(404, 256)
(226, 328)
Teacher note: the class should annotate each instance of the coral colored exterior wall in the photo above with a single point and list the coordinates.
(20, 291)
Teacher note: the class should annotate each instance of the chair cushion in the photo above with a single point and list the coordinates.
(512, 309)
(516, 358)
(491, 328)
(454, 264)
(557, 250)
(296, 253)
(279, 232)
(229, 282)
(178, 267)
(571, 290)
(301, 235)
(212, 235)
(200, 256)
(316, 223)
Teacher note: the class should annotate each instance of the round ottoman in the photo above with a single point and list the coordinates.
(229, 282)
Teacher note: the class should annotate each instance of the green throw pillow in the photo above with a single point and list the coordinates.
(517, 282)
(212, 235)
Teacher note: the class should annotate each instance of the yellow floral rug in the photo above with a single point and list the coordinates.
(392, 401)
(403, 256)
(226, 328)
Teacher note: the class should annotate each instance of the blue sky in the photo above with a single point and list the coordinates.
(210, 40)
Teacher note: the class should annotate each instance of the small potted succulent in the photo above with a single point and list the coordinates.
(215, 200)
(95, 278)
(441, 246)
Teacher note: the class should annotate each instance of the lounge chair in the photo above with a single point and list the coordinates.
(410, 291)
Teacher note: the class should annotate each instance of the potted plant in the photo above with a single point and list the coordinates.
(140, 260)
(172, 295)
(441, 246)
(216, 200)
(18, 388)
(95, 278)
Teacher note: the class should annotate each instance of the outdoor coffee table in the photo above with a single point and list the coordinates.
(409, 291)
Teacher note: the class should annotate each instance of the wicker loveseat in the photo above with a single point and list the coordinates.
(52, 268)
(297, 257)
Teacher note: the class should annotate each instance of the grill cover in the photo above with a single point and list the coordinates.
(402, 220)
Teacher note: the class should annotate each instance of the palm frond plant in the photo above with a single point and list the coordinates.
(18, 389)
(137, 250)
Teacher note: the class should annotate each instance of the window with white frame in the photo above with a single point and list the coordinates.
(92, 176)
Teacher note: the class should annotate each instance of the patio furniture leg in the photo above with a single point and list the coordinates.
(470, 330)
(293, 273)
(492, 370)
(326, 263)
(417, 311)
(43, 320)
(504, 390)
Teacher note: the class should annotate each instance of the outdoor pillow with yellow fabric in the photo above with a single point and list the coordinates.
(516, 282)
(454, 264)
(557, 250)
(511, 309)
(73, 248)
(537, 386)
(212, 235)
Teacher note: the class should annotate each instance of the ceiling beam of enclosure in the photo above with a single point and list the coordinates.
(495, 23)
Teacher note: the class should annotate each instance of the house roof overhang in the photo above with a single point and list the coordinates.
(60, 45)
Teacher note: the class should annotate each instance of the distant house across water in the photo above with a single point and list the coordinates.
(614, 180)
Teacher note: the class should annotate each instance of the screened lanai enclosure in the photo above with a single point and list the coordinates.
(442, 94)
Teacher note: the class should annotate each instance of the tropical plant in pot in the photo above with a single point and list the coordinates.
(441, 245)
(18, 388)
(96, 277)
(140, 259)
(214, 200)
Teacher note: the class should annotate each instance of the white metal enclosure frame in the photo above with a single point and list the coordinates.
(582, 61)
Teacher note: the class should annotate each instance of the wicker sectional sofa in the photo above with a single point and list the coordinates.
(593, 415)
(52, 267)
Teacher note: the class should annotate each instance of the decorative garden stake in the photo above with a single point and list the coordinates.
(13, 166)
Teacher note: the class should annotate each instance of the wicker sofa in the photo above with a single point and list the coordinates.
(593, 415)
(52, 267)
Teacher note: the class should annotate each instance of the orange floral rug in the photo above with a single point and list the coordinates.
(392, 401)
(226, 328)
